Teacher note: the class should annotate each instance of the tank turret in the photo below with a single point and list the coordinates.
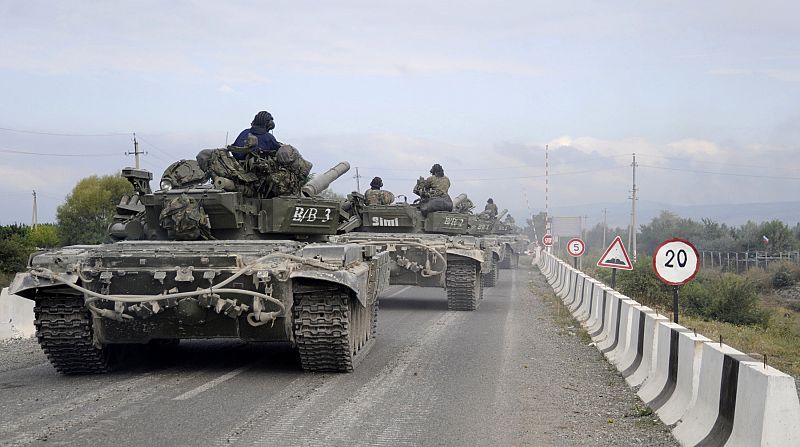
(322, 181)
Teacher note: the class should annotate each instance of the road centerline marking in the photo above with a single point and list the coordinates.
(211, 384)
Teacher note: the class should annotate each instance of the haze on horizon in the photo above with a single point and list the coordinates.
(705, 93)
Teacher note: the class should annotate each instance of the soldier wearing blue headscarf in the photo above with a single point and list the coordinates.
(258, 133)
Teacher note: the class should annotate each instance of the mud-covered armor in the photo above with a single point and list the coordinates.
(266, 273)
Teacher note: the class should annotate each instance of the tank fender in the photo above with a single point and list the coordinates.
(25, 284)
(354, 278)
(474, 254)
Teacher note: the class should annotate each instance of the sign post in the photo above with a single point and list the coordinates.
(576, 248)
(675, 263)
(615, 257)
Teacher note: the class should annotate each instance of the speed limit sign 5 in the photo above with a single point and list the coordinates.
(576, 247)
(675, 262)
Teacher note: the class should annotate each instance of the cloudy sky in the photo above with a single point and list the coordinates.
(707, 94)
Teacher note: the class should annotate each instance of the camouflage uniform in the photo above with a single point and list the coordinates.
(438, 186)
(491, 210)
(378, 197)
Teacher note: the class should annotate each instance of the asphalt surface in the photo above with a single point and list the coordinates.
(506, 374)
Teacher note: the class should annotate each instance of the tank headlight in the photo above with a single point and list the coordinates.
(166, 185)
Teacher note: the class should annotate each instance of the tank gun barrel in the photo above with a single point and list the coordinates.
(502, 214)
(322, 181)
(458, 199)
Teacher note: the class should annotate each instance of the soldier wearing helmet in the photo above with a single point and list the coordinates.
(376, 196)
(257, 138)
(490, 209)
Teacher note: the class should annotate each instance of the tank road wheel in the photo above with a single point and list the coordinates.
(490, 279)
(333, 331)
(64, 330)
(464, 285)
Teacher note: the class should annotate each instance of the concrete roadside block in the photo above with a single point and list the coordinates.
(566, 283)
(566, 291)
(767, 410)
(710, 420)
(671, 406)
(609, 338)
(643, 365)
(584, 312)
(665, 366)
(596, 324)
(578, 295)
(562, 281)
(16, 316)
(627, 357)
(572, 296)
(625, 319)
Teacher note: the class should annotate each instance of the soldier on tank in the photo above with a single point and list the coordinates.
(376, 196)
(257, 137)
(433, 191)
(509, 220)
(490, 209)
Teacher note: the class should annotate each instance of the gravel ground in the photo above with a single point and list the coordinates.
(20, 353)
(604, 410)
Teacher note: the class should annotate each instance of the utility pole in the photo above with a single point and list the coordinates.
(605, 225)
(358, 180)
(547, 228)
(135, 152)
(34, 217)
(632, 233)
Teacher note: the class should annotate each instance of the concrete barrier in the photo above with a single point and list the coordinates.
(767, 411)
(584, 312)
(623, 330)
(671, 406)
(709, 421)
(665, 367)
(609, 337)
(16, 316)
(716, 395)
(642, 367)
(578, 292)
(596, 324)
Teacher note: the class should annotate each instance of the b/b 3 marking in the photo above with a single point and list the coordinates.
(454, 221)
(311, 214)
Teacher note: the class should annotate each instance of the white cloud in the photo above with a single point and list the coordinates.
(225, 88)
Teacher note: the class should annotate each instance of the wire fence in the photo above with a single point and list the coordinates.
(743, 261)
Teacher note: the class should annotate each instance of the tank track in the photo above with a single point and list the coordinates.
(464, 287)
(511, 261)
(490, 279)
(332, 330)
(64, 330)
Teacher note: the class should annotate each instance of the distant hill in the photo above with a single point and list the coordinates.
(731, 214)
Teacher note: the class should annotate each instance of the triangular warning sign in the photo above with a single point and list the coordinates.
(615, 256)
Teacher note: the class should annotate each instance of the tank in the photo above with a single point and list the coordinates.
(258, 267)
(435, 250)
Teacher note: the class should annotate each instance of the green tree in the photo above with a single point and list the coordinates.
(43, 236)
(89, 209)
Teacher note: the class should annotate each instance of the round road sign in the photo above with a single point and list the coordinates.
(576, 247)
(675, 262)
(547, 240)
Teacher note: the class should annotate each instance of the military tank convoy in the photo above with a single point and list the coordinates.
(239, 244)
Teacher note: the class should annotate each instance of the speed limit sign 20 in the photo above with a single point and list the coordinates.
(676, 262)
(576, 247)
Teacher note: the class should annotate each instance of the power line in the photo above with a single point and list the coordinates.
(734, 174)
(738, 165)
(60, 134)
(585, 171)
(492, 168)
(53, 154)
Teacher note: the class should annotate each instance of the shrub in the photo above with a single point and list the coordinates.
(728, 297)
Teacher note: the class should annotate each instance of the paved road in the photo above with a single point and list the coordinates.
(506, 374)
